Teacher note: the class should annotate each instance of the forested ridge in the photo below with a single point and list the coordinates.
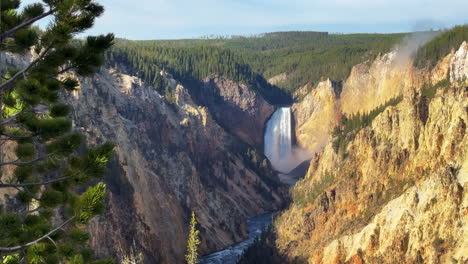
(430, 53)
(189, 64)
(302, 57)
(306, 57)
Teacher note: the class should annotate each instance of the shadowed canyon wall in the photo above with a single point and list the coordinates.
(172, 158)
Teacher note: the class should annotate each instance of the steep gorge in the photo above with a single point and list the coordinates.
(175, 158)
(194, 152)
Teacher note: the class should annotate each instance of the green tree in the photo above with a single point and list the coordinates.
(432, 52)
(192, 242)
(54, 190)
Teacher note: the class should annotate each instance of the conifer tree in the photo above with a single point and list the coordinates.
(192, 242)
(53, 190)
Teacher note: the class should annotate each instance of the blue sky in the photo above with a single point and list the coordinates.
(169, 19)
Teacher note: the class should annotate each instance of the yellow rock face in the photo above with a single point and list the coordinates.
(370, 86)
(321, 106)
(398, 194)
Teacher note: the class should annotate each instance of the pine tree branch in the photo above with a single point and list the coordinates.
(17, 248)
(7, 137)
(25, 24)
(8, 120)
(32, 211)
(65, 70)
(9, 84)
(53, 242)
(22, 163)
(22, 185)
(30, 193)
(23, 258)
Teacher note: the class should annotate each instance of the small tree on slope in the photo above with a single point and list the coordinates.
(193, 242)
(44, 220)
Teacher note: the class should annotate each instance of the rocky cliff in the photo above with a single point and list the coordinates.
(172, 158)
(321, 106)
(371, 84)
(396, 193)
(236, 107)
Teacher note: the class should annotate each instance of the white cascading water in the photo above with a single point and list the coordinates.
(278, 140)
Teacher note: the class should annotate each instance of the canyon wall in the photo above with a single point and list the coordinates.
(316, 115)
(397, 192)
(371, 84)
(236, 107)
(172, 158)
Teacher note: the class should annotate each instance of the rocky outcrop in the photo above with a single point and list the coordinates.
(321, 106)
(369, 86)
(397, 193)
(275, 80)
(170, 159)
(404, 230)
(237, 108)
(459, 64)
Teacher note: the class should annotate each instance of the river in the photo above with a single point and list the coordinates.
(230, 255)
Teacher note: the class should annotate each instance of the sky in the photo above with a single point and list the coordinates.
(175, 19)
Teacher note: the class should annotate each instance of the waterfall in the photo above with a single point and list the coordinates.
(278, 140)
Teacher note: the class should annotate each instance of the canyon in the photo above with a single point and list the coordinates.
(391, 191)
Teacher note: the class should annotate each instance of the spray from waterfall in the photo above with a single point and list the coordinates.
(278, 142)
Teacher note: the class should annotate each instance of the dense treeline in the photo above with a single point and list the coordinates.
(147, 59)
(305, 56)
(429, 90)
(187, 62)
(429, 54)
(262, 250)
(262, 42)
(350, 126)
